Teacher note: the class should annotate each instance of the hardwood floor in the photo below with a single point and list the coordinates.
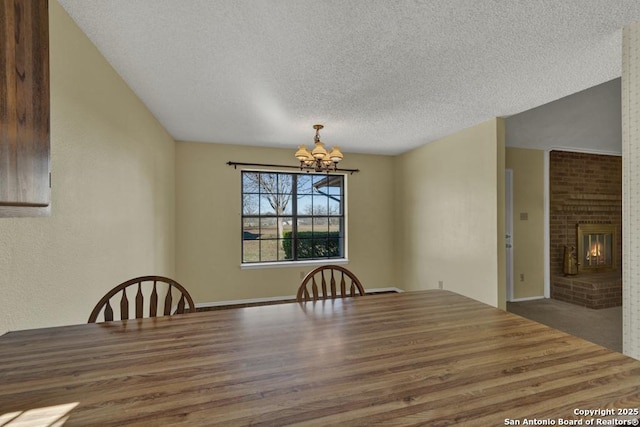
(416, 358)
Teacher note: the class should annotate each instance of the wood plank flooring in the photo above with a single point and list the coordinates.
(415, 358)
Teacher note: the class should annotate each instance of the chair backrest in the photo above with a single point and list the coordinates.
(329, 282)
(148, 289)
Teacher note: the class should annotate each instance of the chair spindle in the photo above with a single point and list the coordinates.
(167, 302)
(153, 302)
(139, 301)
(108, 312)
(124, 305)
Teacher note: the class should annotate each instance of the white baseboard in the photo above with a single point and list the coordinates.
(379, 290)
(279, 298)
(526, 299)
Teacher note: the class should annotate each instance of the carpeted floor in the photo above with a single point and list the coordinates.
(603, 327)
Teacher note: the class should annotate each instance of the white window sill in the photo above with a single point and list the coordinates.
(287, 264)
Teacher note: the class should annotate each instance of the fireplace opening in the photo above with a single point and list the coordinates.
(597, 247)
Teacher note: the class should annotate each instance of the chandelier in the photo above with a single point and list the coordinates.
(319, 159)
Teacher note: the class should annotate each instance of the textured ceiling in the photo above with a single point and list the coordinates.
(383, 76)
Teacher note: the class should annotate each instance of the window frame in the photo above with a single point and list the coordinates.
(294, 215)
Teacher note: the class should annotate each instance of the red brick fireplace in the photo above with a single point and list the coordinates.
(586, 215)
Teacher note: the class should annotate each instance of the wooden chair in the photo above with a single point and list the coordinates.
(329, 282)
(152, 285)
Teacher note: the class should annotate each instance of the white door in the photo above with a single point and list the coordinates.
(508, 202)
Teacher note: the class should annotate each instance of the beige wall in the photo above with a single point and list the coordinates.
(449, 207)
(112, 196)
(208, 227)
(127, 200)
(631, 190)
(528, 242)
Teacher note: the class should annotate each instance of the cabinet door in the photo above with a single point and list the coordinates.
(24, 103)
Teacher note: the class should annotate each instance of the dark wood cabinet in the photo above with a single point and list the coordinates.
(25, 188)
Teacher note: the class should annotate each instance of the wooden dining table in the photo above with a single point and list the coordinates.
(430, 357)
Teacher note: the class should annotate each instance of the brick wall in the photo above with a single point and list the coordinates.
(584, 188)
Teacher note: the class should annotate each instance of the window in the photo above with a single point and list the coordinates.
(292, 217)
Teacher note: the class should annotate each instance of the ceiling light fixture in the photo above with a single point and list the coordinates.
(319, 159)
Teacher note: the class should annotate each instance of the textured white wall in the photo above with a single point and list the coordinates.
(631, 190)
(112, 195)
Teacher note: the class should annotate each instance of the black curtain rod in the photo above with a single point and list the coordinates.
(236, 164)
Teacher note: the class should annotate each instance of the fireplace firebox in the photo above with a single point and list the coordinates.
(597, 248)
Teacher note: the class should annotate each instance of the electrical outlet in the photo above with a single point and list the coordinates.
(440, 284)
(522, 277)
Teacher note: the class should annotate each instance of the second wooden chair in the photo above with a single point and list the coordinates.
(329, 282)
